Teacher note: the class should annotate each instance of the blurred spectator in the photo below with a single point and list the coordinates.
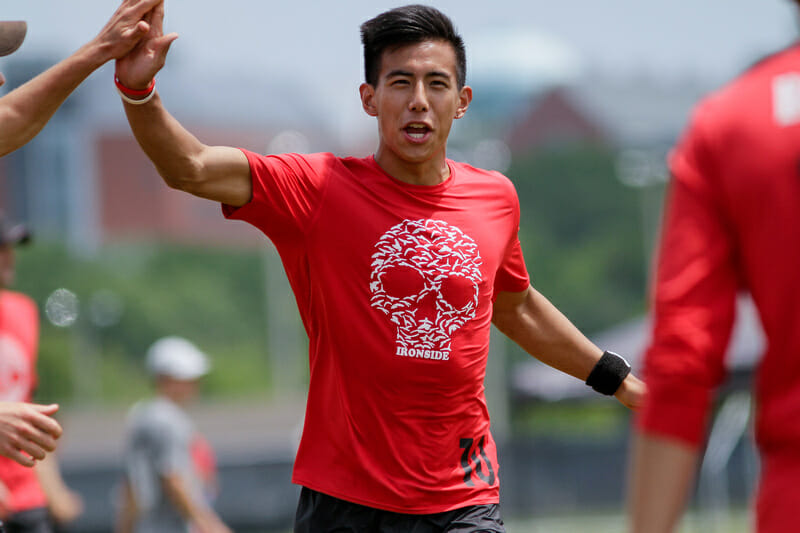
(165, 487)
(732, 223)
(29, 498)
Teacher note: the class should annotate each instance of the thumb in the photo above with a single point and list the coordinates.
(46, 409)
(163, 43)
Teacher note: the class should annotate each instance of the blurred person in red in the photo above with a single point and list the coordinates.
(732, 223)
(29, 497)
(400, 262)
(168, 463)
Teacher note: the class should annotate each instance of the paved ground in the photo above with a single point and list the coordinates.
(235, 429)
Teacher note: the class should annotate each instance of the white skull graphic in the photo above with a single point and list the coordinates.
(14, 370)
(425, 276)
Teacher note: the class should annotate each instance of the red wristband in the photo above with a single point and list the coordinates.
(134, 93)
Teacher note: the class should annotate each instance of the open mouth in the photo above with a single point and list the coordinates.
(417, 132)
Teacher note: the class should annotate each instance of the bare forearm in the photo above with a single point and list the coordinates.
(174, 151)
(203, 518)
(218, 173)
(662, 472)
(545, 333)
(25, 110)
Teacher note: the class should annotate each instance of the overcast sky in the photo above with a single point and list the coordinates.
(316, 44)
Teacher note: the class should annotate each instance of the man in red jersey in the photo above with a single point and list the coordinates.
(732, 223)
(399, 263)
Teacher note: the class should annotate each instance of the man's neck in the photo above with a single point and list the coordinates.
(431, 172)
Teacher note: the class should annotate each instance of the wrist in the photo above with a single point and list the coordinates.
(135, 96)
(609, 373)
(95, 54)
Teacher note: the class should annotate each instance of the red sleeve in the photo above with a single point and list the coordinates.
(512, 276)
(694, 295)
(287, 189)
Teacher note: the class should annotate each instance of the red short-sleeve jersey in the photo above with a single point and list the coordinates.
(19, 338)
(395, 284)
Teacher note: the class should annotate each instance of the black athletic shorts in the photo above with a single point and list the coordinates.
(31, 521)
(320, 513)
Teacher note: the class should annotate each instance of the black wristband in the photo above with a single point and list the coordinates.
(608, 374)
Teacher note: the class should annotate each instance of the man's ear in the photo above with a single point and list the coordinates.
(368, 99)
(464, 99)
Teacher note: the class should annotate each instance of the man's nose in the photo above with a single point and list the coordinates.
(419, 98)
(2, 79)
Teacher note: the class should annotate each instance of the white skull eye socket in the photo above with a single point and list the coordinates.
(402, 281)
(457, 290)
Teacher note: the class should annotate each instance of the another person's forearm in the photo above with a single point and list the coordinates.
(203, 518)
(661, 475)
(25, 110)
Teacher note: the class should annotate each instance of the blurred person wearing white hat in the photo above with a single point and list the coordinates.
(30, 498)
(163, 490)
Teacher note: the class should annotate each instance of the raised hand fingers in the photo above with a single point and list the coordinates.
(157, 18)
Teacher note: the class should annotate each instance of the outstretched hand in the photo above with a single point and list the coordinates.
(631, 392)
(138, 67)
(27, 431)
(125, 28)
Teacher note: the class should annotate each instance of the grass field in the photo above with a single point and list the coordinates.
(735, 522)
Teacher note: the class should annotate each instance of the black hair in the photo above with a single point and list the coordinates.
(408, 25)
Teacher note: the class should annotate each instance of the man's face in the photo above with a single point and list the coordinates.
(6, 266)
(415, 100)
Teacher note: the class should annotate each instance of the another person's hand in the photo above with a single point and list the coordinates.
(136, 69)
(27, 431)
(125, 28)
(632, 392)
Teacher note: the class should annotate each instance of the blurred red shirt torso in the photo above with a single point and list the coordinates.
(19, 337)
(733, 223)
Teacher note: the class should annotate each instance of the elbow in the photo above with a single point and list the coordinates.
(186, 175)
(505, 323)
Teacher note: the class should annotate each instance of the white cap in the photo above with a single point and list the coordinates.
(176, 358)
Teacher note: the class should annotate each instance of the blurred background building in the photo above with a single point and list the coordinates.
(577, 102)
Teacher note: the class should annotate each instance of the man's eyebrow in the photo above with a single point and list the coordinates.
(399, 72)
(408, 74)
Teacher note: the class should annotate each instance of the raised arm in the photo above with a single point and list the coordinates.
(218, 173)
(25, 110)
(530, 320)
